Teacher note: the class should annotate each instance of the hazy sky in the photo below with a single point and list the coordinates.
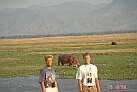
(28, 3)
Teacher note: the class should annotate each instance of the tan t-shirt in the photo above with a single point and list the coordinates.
(87, 73)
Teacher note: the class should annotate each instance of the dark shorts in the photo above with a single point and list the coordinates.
(89, 89)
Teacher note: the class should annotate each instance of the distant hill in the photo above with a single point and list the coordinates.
(69, 18)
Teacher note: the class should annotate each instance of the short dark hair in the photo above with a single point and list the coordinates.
(85, 54)
(48, 56)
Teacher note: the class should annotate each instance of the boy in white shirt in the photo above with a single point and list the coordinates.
(87, 76)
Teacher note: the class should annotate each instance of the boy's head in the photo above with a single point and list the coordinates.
(49, 60)
(87, 58)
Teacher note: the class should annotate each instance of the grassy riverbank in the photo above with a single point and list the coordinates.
(24, 57)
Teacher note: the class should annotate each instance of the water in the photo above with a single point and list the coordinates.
(19, 84)
(30, 84)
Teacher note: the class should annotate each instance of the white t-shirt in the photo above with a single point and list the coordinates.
(88, 74)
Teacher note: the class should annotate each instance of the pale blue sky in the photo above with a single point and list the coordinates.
(28, 3)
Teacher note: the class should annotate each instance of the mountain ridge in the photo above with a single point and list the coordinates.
(64, 19)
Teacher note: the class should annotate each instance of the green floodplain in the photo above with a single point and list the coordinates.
(25, 57)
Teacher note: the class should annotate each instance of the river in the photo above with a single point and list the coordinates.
(30, 84)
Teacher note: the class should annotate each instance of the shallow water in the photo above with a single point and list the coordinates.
(30, 84)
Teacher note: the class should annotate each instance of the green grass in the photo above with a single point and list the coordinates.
(117, 66)
(25, 60)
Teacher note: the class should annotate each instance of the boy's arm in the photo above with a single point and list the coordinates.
(43, 87)
(97, 80)
(80, 85)
(98, 85)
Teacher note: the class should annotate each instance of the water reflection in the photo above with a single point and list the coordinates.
(30, 84)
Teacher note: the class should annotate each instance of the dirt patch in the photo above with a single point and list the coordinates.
(9, 59)
(97, 52)
(89, 38)
(15, 68)
(103, 54)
